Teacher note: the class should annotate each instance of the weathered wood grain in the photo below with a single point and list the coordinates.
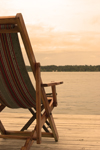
(76, 132)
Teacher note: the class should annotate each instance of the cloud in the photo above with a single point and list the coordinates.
(63, 29)
(47, 39)
(64, 48)
(68, 58)
(95, 20)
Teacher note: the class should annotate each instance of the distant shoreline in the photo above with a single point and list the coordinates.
(68, 68)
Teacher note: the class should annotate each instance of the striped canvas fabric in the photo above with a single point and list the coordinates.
(16, 89)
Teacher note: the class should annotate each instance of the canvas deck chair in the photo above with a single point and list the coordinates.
(16, 89)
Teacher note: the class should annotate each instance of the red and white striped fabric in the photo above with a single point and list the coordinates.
(16, 89)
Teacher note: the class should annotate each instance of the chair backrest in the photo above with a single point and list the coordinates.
(16, 89)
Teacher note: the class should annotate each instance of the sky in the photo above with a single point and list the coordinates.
(62, 32)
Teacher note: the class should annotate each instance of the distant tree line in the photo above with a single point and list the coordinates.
(66, 68)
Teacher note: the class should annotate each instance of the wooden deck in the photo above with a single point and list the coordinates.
(76, 132)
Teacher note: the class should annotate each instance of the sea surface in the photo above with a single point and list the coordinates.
(79, 93)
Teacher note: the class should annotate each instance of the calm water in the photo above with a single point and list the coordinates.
(80, 93)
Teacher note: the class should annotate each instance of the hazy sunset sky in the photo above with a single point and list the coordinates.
(62, 32)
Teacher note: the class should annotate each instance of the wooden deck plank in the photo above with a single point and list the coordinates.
(76, 132)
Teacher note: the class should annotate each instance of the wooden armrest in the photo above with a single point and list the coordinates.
(51, 84)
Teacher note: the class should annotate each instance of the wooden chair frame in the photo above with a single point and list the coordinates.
(41, 118)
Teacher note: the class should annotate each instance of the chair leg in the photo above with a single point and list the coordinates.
(29, 123)
(38, 103)
(29, 141)
(2, 129)
(45, 128)
(26, 126)
(27, 145)
(53, 128)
